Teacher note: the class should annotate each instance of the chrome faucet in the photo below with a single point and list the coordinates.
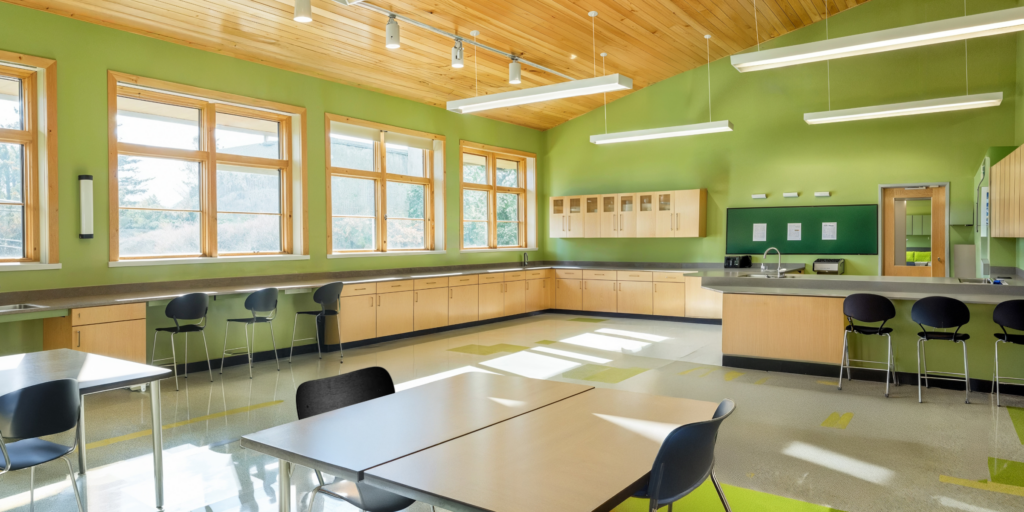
(778, 269)
(526, 259)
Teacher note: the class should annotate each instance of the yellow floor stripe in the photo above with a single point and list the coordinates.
(835, 420)
(709, 372)
(148, 432)
(691, 370)
(761, 381)
(829, 382)
(733, 375)
(985, 486)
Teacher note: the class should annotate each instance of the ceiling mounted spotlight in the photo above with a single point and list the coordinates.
(515, 72)
(457, 54)
(303, 11)
(393, 39)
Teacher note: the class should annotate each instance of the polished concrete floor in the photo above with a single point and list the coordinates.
(792, 436)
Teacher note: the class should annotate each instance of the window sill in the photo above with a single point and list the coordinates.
(32, 265)
(507, 249)
(372, 254)
(192, 261)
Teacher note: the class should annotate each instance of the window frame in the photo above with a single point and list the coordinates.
(380, 178)
(291, 164)
(492, 154)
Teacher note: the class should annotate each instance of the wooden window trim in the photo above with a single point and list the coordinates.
(210, 103)
(492, 154)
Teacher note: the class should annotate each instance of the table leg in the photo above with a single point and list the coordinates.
(158, 443)
(81, 437)
(284, 486)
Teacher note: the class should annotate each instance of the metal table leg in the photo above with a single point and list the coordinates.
(158, 444)
(81, 437)
(284, 486)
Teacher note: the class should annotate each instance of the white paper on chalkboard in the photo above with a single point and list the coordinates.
(760, 232)
(828, 230)
(793, 231)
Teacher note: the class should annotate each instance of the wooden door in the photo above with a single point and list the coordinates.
(592, 217)
(635, 297)
(646, 215)
(556, 218)
(430, 308)
(358, 317)
(515, 298)
(569, 294)
(670, 299)
(574, 225)
(691, 213)
(394, 313)
(627, 216)
(609, 216)
(665, 221)
(536, 295)
(897, 205)
(463, 304)
(599, 296)
(121, 340)
(492, 300)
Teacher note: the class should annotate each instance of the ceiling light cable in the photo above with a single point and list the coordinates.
(604, 94)
(476, 67)
(707, 40)
(828, 63)
(967, 71)
(593, 37)
(757, 33)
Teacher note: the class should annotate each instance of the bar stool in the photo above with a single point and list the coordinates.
(329, 293)
(259, 301)
(1007, 314)
(866, 307)
(943, 313)
(189, 307)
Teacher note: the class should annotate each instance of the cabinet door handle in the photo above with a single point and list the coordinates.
(677, 220)
(620, 223)
(581, 285)
(451, 293)
(527, 285)
(570, 223)
(371, 301)
(79, 335)
(655, 287)
(615, 223)
(378, 300)
(417, 298)
(673, 223)
(585, 285)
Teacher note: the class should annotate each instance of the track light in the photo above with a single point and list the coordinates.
(303, 11)
(515, 73)
(394, 41)
(457, 54)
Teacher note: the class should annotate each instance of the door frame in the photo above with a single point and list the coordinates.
(881, 218)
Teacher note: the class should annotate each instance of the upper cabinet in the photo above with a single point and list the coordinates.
(668, 214)
(1006, 192)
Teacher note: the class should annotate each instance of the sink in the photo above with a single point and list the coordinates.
(975, 281)
(20, 307)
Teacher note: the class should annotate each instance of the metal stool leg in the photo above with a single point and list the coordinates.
(996, 380)
(224, 353)
(895, 376)
(74, 484)
(967, 376)
(317, 326)
(721, 494)
(209, 367)
(273, 342)
(924, 362)
(919, 369)
(888, 367)
(340, 349)
(174, 362)
(249, 348)
(32, 488)
(844, 360)
(186, 355)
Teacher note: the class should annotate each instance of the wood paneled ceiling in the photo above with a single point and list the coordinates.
(646, 40)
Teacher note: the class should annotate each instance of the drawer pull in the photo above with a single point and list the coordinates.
(431, 282)
(395, 285)
(79, 335)
(360, 289)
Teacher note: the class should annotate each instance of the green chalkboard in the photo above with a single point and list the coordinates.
(856, 229)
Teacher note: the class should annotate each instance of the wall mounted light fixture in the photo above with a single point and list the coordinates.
(85, 203)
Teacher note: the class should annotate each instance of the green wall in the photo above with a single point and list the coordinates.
(773, 151)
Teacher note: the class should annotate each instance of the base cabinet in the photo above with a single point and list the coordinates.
(701, 303)
(515, 298)
(463, 304)
(358, 317)
(670, 299)
(394, 313)
(635, 298)
(537, 294)
(492, 301)
(599, 296)
(430, 309)
(569, 294)
(114, 331)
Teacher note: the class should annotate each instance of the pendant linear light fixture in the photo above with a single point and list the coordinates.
(543, 93)
(906, 109)
(671, 131)
(934, 32)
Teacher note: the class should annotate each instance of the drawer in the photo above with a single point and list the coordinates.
(669, 277)
(395, 286)
(462, 280)
(106, 314)
(492, 278)
(635, 276)
(359, 289)
(599, 275)
(538, 274)
(431, 282)
(568, 273)
(515, 276)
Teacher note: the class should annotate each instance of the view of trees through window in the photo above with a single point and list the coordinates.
(12, 173)
(488, 179)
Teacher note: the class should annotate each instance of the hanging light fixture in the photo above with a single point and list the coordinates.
(906, 109)
(515, 72)
(457, 55)
(543, 93)
(392, 30)
(303, 11)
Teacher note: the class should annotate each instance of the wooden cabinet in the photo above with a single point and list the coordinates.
(599, 296)
(635, 297)
(430, 308)
(358, 317)
(634, 275)
(115, 331)
(669, 299)
(394, 313)
(646, 215)
(691, 213)
(665, 220)
(556, 217)
(599, 275)
(515, 298)
(626, 212)
(569, 294)
(701, 303)
(665, 214)
(1006, 193)
(463, 304)
(492, 300)
(574, 219)
(359, 289)
(592, 216)
(609, 216)
(536, 295)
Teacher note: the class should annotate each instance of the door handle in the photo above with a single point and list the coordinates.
(940, 260)
(371, 301)
(655, 287)
(581, 285)
(378, 300)
(451, 293)
(677, 220)
(585, 285)
(527, 285)
(417, 297)
(79, 335)
(570, 223)
(620, 223)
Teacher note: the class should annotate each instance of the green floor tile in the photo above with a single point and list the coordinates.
(740, 500)
(546, 342)
(591, 320)
(584, 372)
(616, 375)
(1009, 472)
(486, 350)
(1017, 416)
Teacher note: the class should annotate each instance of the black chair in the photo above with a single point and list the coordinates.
(189, 308)
(1007, 314)
(941, 313)
(865, 307)
(332, 393)
(326, 295)
(264, 300)
(34, 412)
(686, 459)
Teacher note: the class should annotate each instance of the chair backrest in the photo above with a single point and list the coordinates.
(1010, 314)
(40, 410)
(324, 395)
(188, 307)
(262, 300)
(328, 293)
(686, 457)
(940, 312)
(867, 307)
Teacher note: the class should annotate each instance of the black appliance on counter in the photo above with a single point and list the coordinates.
(738, 262)
(832, 266)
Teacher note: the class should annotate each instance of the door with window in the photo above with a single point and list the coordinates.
(914, 231)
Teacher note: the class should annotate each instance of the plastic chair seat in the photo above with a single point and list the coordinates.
(1011, 338)
(251, 320)
(33, 452)
(864, 329)
(326, 312)
(946, 336)
(181, 328)
(367, 497)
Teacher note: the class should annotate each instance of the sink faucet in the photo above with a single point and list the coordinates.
(526, 259)
(778, 269)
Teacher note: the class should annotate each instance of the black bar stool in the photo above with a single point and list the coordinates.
(943, 313)
(189, 308)
(326, 294)
(865, 307)
(1007, 314)
(260, 301)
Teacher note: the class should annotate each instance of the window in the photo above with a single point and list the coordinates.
(494, 198)
(381, 187)
(199, 177)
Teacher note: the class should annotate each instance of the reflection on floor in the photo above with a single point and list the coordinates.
(794, 443)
